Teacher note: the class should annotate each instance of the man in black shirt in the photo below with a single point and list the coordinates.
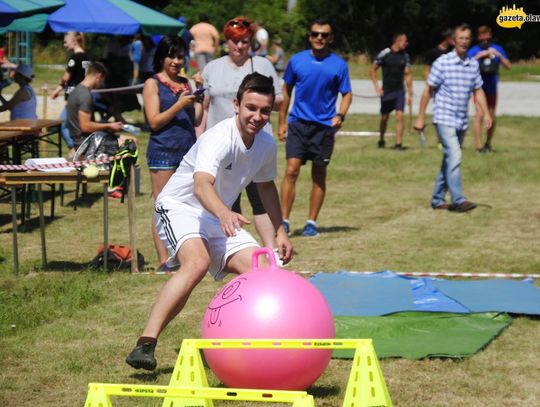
(396, 67)
(446, 45)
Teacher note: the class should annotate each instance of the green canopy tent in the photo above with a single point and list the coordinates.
(114, 17)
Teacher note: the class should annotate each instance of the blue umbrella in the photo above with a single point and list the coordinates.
(12, 9)
(119, 17)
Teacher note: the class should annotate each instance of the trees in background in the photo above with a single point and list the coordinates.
(366, 26)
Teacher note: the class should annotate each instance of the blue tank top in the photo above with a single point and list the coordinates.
(26, 109)
(177, 136)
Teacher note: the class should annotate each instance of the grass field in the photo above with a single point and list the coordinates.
(65, 327)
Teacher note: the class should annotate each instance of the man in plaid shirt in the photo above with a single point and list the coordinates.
(452, 79)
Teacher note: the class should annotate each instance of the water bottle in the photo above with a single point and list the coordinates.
(132, 129)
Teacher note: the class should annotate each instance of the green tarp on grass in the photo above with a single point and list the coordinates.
(417, 335)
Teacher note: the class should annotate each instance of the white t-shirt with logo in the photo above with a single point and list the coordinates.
(222, 153)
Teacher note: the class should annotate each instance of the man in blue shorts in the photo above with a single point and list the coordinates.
(318, 75)
(396, 66)
(489, 56)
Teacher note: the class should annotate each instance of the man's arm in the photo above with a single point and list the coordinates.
(409, 84)
(283, 111)
(427, 70)
(482, 103)
(86, 125)
(60, 87)
(270, 200)
(504, 61)
(420, 120)
(205, 192)
(346, 101)
(19, 96)
(373, 76)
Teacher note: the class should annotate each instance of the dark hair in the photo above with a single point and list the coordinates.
(255, 82)
(322, 21)
(397, 35)
(169, 46)
(483, 29)
(446, 33)
(96, 68)
(461, 27)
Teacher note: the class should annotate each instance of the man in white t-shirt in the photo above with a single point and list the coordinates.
(206, 38)
(261, 36)
(193, 214)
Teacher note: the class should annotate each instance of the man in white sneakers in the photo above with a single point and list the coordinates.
(193, 211)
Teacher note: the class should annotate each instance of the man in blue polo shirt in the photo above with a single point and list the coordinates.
(318, 75)
(452, 79)
(489, 56)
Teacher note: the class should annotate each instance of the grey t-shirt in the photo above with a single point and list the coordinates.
(222, 79)
(79, 99)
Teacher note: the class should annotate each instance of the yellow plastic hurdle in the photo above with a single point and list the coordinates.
(189, 385)
(99, 394)
(365, 388)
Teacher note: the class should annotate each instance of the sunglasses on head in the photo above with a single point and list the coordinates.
(315, 34)
(239, 23)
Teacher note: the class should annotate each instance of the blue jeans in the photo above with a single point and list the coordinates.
(449, 177)
(64, 130)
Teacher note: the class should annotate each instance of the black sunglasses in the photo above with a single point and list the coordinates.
(239, 23)
(315, 34)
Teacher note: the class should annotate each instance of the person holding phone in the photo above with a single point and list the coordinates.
(172, 111)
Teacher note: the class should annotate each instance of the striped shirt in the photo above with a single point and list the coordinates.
(454, 80)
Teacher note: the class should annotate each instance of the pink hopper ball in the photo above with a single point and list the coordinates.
(268, 303)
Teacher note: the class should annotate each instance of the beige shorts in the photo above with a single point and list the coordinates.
(178, 222)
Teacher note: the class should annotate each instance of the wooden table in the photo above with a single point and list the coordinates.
(24, 134)
(20, 179)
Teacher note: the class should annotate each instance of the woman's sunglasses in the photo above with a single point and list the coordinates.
(239, 23)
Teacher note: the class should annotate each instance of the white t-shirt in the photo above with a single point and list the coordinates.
(222, 153)
(222, 79)
(262, 38)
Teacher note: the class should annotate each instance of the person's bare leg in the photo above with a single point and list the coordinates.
(318, 190)
(194, 263)
(240, 262)
(477, 128)
(382, 127)
(288, 185)
(491, 130)
(399, 127)
(158, 180)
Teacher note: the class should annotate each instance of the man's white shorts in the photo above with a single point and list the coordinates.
(178, 222)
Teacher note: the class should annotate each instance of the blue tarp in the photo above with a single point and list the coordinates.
(358, 294)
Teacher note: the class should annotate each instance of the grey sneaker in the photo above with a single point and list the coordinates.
(142, 357)
(464, 206)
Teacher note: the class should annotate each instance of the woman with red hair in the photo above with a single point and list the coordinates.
(222, 77)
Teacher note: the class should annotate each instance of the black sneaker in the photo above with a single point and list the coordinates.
(381, 144)
(142, 357)
(399, 147)
(464, 206)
